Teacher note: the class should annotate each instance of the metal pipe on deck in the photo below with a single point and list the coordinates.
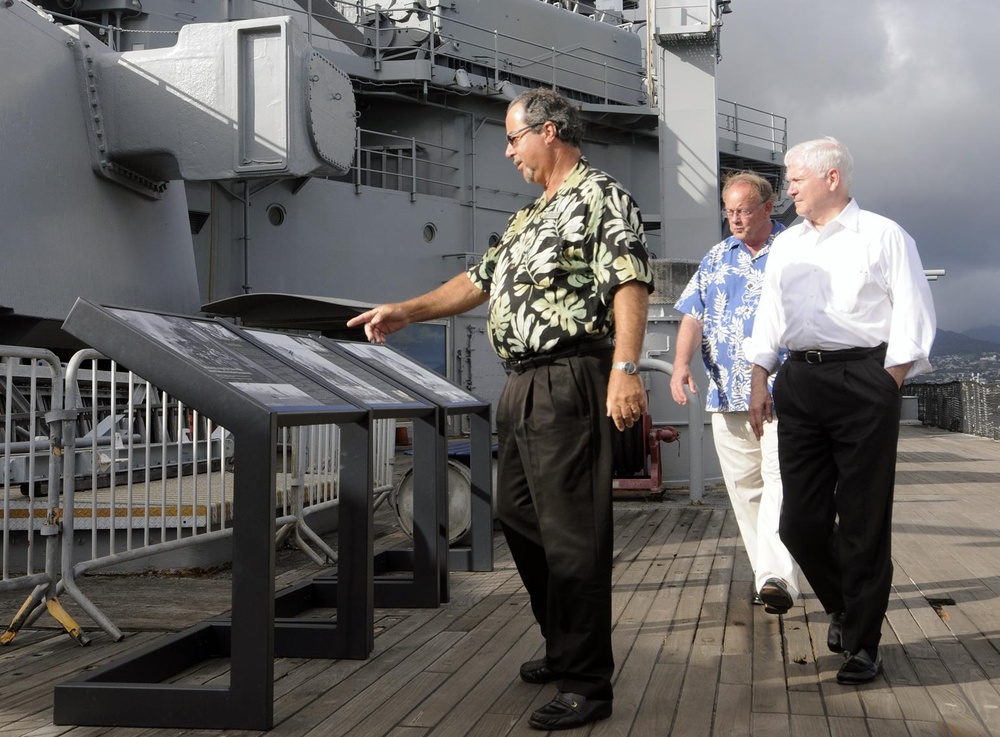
(696, 421)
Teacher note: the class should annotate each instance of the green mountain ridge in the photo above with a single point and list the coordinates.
(948, 343)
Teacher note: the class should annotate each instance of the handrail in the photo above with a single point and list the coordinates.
(747, 124)
(696, 427)
(426, 48)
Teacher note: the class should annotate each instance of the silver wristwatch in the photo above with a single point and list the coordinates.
(627, 366)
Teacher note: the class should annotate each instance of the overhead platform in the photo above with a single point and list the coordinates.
(635, 116)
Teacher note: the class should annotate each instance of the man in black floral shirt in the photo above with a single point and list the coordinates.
(568, 287)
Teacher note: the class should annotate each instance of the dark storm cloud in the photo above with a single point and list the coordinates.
(909, 86)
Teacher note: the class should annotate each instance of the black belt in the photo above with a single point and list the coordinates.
(845, 354)
(520, 365)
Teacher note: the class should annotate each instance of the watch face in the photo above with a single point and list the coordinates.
(628, 367)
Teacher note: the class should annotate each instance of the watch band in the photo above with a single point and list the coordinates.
(628, 367)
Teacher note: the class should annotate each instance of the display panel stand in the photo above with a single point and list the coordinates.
(452, 400)
(254, 383)
(227, 378)
(367, 385)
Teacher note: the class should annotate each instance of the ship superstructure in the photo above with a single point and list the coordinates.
(281, 161)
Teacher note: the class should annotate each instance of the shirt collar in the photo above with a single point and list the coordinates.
(575, 175)
(733, 243)
(572, 180)
(848, 219)
(850, 216)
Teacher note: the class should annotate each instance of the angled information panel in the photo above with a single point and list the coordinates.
(359, 383)
(252, 393)
(366, 385)
(232, 360)
(453, 400)
(411, 374)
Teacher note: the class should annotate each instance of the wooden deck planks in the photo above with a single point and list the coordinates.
(694, 657)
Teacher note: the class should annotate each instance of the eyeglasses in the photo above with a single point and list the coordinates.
(513, 138)
(730, 214)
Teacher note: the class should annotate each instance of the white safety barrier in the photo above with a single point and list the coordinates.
(140, 475)
(32, 387)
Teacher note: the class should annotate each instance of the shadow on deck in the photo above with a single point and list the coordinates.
(694, 656)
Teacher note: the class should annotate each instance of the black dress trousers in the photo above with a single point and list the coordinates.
(837, 450)
(554, 481)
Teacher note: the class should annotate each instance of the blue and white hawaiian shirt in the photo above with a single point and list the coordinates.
(723, 296)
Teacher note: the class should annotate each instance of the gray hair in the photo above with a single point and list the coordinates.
(753, 180)
(822, 154)
(542, 104)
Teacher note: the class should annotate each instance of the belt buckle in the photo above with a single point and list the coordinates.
(811, 355)
(516, 365)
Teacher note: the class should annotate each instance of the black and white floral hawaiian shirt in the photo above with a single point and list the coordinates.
(552, 275)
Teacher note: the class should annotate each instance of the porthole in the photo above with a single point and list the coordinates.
(275, 214)
(430, 231)
(493, 239)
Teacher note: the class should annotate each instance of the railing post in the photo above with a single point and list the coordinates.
(736, 123)
(496, 59)
(430, 38)
(357, 160)
(413, 169)
(377, 45)
(71, 403)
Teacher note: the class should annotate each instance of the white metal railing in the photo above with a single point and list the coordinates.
(411, 32)
(139, 473)
(396, 162)
(31, 382)
(748, 125)
(33, 398)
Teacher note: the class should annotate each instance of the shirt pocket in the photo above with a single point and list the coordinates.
(543, 264)
(857, 291)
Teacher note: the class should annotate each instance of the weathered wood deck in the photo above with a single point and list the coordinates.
(694, 656)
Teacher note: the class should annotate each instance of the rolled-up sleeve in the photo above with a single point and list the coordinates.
(914, 322)
(762, 347)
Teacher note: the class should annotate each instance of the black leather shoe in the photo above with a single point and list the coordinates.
(757, 601)
(834, 635)
(538, 671)
(569, 710)
(775, 596)
(860, 668)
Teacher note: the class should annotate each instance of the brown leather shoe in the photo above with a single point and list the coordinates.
(538, 671)
(569, 710)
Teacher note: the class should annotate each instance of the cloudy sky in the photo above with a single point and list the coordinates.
(911, 87)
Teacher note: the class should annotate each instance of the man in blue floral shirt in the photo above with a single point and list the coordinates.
(719, 305)
(568, 287)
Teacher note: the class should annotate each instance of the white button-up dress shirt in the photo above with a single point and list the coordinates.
(858, 282)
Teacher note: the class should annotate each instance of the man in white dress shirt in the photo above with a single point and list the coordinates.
(845, 293)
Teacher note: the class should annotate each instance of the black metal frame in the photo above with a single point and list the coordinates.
(131, 692)
(477, 555)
